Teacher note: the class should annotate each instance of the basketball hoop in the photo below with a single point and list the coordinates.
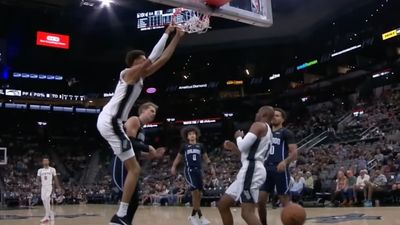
(191, 21)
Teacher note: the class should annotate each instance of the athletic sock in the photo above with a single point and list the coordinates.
(123, 208)
(194, 212)
(199, 213)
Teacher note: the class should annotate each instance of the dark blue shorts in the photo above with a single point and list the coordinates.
(276, 179)
(194, 178)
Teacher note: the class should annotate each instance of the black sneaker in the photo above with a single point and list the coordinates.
(116, 220)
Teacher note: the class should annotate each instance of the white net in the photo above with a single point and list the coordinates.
(191, 21)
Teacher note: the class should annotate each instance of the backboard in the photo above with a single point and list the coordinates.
(254, 12)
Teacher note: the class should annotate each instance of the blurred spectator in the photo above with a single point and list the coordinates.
(296, 188)
(309, 184)
(378, 183)
(361, 183)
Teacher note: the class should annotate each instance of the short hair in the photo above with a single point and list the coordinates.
(132, 55)
(186, 130)
(283, 113)
(45, 157)
(145, 106)
(267, 111)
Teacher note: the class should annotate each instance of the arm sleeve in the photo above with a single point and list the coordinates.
(139, 145)
(38, 173)
(245, 143)
(158, 48)
(289, 137)
(54, 172)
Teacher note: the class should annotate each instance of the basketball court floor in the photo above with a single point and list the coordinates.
(100, 215)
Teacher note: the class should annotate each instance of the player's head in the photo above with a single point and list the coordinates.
(135, 57)
(147, 112)
(265, 114)
(45, 161)
(279, 117)
(190, 134)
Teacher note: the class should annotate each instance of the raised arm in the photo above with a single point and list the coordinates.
(134, 73)
(165, 56)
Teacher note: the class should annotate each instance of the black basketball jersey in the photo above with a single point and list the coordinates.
(141, 137)
(192, 154)
(279, 151)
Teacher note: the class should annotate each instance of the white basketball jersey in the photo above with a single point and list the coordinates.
(259, 149)
(46, 175)
(123, 99)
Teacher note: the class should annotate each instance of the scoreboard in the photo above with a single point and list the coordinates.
(160, 18)
(154, 20)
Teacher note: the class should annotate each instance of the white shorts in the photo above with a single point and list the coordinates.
(248, 182)
(46, 192)
(113, 131)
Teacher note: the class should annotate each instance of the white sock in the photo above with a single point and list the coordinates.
(123, 207)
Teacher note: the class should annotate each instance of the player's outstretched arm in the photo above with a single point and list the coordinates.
(166, 55)
(176, 162)
(132, 75)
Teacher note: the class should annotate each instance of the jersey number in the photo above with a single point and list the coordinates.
(45, 177)
(272, 151)
(194, 157)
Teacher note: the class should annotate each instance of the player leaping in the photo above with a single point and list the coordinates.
(116, 111)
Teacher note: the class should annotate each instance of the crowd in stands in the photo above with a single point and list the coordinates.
(363, 170)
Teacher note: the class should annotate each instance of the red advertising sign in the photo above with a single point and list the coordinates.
(52, 40)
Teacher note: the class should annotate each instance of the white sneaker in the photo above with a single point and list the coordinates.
(204, 221)
(194, 220)
(44, 220)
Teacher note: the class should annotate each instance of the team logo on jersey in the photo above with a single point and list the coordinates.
(276, 141)
(343, 218)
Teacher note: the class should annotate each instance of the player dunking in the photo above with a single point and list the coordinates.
(282, 153)
(192, 153)
(116, 111)
(134, 130)
(253, 148)
(45, 176)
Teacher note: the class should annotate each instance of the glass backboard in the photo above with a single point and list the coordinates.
(254, 12)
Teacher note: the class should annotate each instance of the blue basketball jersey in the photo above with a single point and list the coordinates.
(192, 155)
(279, 150)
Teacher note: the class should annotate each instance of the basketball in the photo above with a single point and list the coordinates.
(293, 214)
(216, 3)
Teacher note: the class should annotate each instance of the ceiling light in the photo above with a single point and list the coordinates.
(105, 3)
